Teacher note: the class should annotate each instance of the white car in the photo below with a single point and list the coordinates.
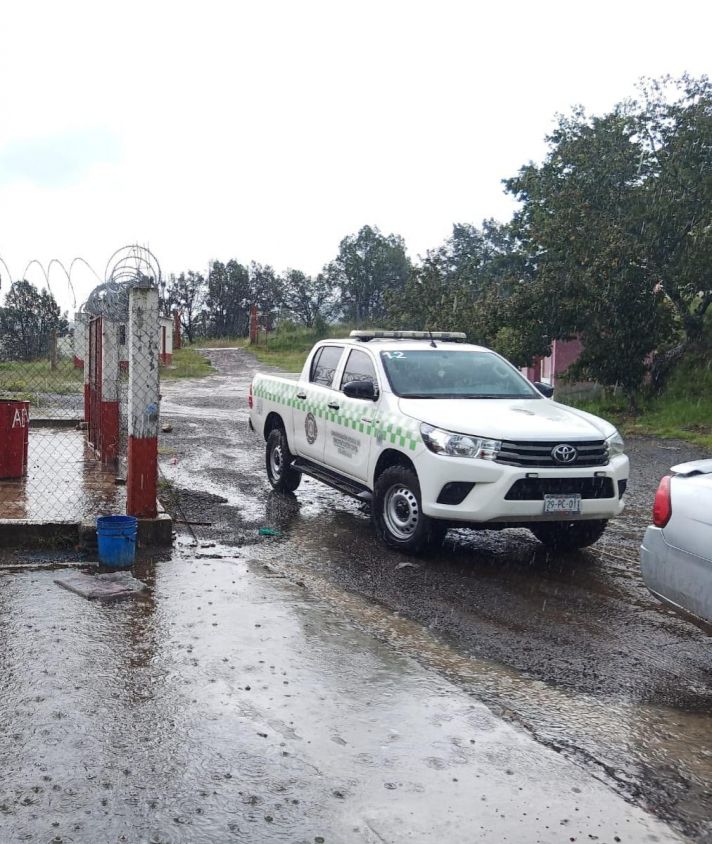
(676, 554)
(438, 433)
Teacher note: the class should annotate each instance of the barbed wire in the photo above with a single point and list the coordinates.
(131, 264)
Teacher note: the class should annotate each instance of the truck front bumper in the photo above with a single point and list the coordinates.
(487, 500)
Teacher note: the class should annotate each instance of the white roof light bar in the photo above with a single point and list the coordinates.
(378, 334)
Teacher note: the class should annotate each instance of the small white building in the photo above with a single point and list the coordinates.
(166, 340)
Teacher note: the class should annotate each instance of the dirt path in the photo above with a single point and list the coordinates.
(573, 648)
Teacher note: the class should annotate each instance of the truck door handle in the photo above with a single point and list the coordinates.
(367, 419)
(333, 405)
(301, 395)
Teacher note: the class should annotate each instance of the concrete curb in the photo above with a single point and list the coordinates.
(28, 533)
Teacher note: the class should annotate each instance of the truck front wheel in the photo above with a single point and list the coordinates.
(397, 512)
(568, 536)
(279, 458)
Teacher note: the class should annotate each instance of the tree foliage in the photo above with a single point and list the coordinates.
(469, 284)
(186, 294)
(227, 300)
(307, 300)
(29, 322)
(616, 223)
(369, 266)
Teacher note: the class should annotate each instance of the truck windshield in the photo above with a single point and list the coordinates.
(452, 374)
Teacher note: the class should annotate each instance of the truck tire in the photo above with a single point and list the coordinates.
(568, 536)
(278, 459)
(397, 513)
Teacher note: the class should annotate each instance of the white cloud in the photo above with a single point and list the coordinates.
(270, 131)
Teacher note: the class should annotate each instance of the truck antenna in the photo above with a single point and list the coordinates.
(432, 342)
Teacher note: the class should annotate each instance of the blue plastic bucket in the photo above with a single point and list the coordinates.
(116, 538)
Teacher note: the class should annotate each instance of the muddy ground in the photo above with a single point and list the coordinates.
(573, 648)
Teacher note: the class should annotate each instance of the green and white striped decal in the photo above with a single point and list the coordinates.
(394, 429)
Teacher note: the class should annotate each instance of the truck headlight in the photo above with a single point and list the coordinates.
(458, 445)
(615, 444)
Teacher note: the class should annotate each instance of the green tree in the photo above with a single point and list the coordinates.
(187, 294)
(308, 300)
(616, 224)
(228, 299)
(469, 284)
(29, 322)
(368, 268)
(265, 293)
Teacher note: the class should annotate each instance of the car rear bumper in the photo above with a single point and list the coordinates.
(681, 579)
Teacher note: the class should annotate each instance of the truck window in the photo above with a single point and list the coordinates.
(324, 365)
(359, 367)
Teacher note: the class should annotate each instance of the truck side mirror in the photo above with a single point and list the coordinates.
(361, 390)
(545, 389)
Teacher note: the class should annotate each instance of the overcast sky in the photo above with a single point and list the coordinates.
(269, 130)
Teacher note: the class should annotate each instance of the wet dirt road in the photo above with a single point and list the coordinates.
(228, 704)
(573, 649)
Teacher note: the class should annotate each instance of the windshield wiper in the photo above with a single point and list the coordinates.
(491, 396)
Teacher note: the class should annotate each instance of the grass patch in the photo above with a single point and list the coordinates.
(187, 363)
(35, 381)
(286, 348)
(683, 411)
(26, 378)
(289, 346)
(220, 343)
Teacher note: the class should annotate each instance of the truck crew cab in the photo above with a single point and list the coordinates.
(437, 433)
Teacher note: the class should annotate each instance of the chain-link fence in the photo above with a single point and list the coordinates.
(71, 410)
(42, 392)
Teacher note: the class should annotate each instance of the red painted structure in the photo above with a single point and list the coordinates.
(15, 437)
(142, 481)
(109, 431)
(92, 390)
(145, 345)
(549, 369)
(101, 414)
(166, 356)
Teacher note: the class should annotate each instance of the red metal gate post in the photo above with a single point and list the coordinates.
(109, 410)
(93, 371)
(142, 478)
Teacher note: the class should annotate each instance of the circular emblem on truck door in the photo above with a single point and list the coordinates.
(564, 453)
(310, 428)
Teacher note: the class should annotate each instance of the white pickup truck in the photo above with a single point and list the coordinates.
(439, 433)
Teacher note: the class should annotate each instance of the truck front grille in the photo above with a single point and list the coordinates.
(534, 489)
(540, 454)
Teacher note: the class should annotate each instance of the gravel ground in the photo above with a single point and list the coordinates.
(572, 647)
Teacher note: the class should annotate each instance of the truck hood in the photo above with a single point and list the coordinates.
(508, 419)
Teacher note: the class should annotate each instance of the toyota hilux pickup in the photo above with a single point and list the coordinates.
(437, 433)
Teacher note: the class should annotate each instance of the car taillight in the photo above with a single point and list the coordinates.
(662, 507)
(249, 398)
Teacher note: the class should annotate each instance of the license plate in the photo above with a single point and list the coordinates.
(562, 503)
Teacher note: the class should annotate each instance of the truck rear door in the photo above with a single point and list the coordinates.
(311, 406)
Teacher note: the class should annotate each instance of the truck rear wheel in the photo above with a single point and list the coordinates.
(568, 536)
(278, 459)
(397, 512)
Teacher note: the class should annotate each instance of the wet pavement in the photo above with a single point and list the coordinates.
(312, 686)
(64, 483)
(227, 704)
(573, 649)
